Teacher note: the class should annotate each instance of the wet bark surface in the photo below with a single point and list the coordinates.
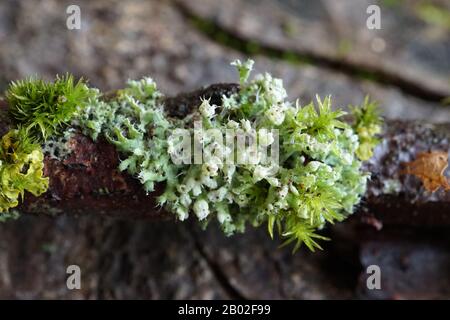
(125, 257)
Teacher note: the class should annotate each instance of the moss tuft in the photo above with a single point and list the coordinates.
(367, 124)
(43, 108)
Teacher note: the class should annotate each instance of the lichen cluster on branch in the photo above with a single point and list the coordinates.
(317, 178)
(21, 168)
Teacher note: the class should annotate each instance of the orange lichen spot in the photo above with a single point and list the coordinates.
(429, 167)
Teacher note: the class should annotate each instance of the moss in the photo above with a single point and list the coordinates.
(21, 169)
(43, 108)
(367, 124)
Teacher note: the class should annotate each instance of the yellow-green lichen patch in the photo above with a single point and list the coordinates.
(21, 169)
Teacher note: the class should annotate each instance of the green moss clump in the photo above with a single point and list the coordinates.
(21, 168)
(367, 124)
(43, 108)
(40, 111)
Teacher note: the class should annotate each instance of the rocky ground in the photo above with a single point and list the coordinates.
(317, 47)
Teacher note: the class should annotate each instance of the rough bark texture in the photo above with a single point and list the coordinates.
(317, 47)
(88, 183)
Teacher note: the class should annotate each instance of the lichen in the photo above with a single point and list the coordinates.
(59, 147)
(9, 215)
(316, 180)
(136, 124)
(310, 177)
(391, 186)
(21, 169)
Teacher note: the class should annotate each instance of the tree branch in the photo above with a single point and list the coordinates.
(88, 181)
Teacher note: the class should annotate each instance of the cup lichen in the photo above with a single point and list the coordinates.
(317, 177)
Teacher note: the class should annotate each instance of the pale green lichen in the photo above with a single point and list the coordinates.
(59, 147)
(311, 176)
(391, 186)
(136, 124)
(9, 215)
(316, 180)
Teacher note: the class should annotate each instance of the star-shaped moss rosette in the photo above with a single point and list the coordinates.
(45, 108)
(316, 178)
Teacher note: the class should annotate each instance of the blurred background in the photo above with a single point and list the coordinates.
(316, 46)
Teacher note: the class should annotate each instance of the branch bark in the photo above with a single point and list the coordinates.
(88, 181)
